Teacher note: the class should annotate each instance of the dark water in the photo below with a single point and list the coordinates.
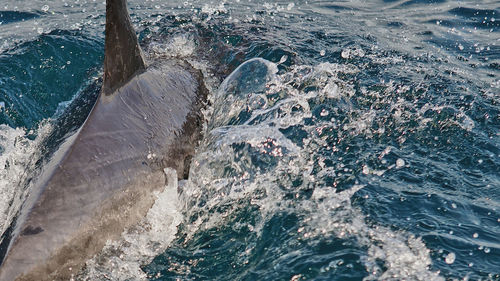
(365, 146)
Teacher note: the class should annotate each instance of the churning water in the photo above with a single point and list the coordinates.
(344, 140)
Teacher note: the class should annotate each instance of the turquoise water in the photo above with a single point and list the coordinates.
(364, 146)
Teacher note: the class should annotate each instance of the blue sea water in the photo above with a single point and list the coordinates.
(363, 144)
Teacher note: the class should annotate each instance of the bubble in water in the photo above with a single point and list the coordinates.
(257, 101)
(475, 235)
(45, 8)
(324, 113)
(351, 53)
(487, 250)
(345, 54)
(450, 258)
(400, 163)
(322, 52)
(366, 170)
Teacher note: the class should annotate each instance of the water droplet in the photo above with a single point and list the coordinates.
(475, 235)
(366, 171)
(400, 163)
(345, 54)
(450, 258)
(257, 101)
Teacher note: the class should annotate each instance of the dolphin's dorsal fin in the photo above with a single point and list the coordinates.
(123, 56)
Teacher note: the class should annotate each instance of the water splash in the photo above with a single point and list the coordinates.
(18, 157)
(247, 161)
(122, 259)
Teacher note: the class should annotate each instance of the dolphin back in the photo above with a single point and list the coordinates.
(104, 179)
(101, 179)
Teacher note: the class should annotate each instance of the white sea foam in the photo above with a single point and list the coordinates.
(180, 46)
(14, 154)
(18, 155)
(350, 53)
(121, 259)
(212, 10)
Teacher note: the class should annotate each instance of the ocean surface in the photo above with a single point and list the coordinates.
(344, 140)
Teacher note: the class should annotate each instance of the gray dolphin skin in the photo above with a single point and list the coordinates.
(101, 179)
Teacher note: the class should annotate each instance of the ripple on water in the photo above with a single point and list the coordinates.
(7, 17)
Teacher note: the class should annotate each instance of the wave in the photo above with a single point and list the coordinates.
(38, 75)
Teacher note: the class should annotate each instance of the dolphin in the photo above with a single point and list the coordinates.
(102, 179)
